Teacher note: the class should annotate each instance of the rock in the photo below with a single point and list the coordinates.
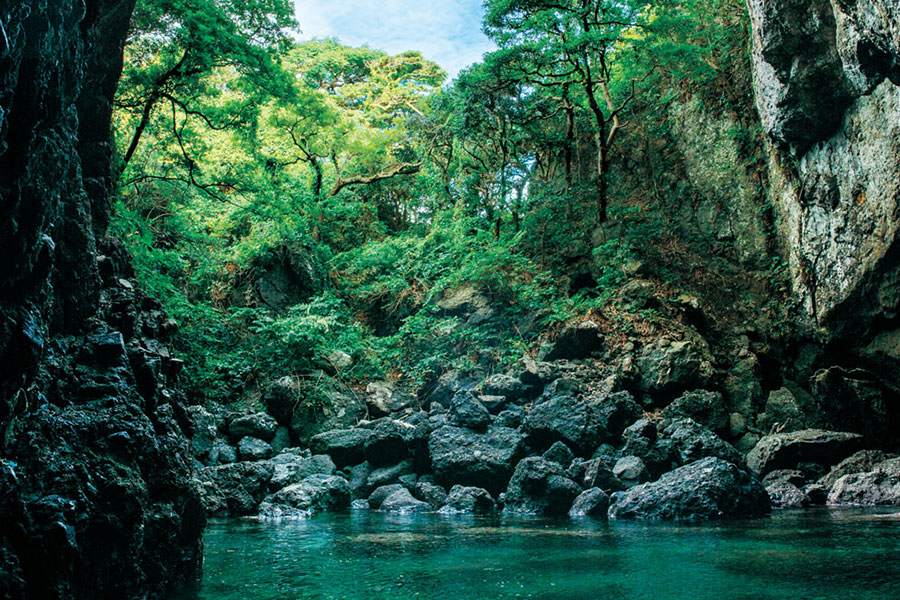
(467, 411)
(324, 405)
(860, 462)
(251, 448)
(630, 470)
(344, 446)
(402, 501)
(380, 494)
(462, 499)
(536, 373)
(446, 387)
(339, 360)
(512, 417)
(358, 477)
(575, 341)
(281, 397)
(782, 413)
(878, 487)
(787, 450)
(258, 425)
(560, 454)
(221, 454)
(784, 494)
(693, 441)
(296, 465)
(858, 400)
(672, 367)
(710, 487)
(234, 490)
(581, 423)
(469, 304)
(507, 386)
(282, 439)
(383, 398)
(467, 457)
(388, 475)
(592, 502)
(596, 472)
(793, 476)
(204, 431)
(706, 408)
(494, 404)
(316, 493)
(540, 487)
(386, 443)
(429, 492)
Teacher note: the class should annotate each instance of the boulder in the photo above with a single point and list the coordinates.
(693, 441)
(859, 462)
(235, 489)
(446, 386)
(383, 398)
(258, 425)
(204, 428)
(281, 397)
(578, 340)
(324, 405)
(509, 387)
(878, 487)
(710, 487)
(782, 412)
(430, 492)
(659, 455)
(512, 417)
(386, 443)
(581, 423)
(704, 407)
(344, 446)
(282, 439)
(463, 499)
(467, 457)
(540, 487)
(295, 465)
(380, 494)
(358, 477)
(560, 454)
(592, 502)
(467, 411)
(787, 450)
(251, 448)
(631, 471)
(784, 494)
(221, 454)
(316, 493)
(467, 303)
(401, 501)
(596, 472)
(387, 475)
(671, 366)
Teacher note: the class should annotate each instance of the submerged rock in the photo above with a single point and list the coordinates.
(401, 501)
(710, 487)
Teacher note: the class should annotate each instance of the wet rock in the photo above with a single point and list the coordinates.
(402, 501)
(787, 450)
(316, 493)
(784, 494)
(387, 475)
(258, 425)
(540, 487)
(576, 341)
(380, 494)
(235, 489)
(463, 499)
(467, 457)
(358, 477)
(859, 462)
(592, 502)
(693, 441)
(467, 411)
(877, 487)
(631, 471)
(295, 465)
(560, 454)
(430, 492)
(344, 446)
(710, 487)
(704, 407)
(251, 448)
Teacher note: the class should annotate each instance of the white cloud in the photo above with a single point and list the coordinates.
(445, 31)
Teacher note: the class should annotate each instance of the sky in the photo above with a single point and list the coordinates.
(445, 31)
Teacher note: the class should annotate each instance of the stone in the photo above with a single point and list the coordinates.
(512, 417)
(782, 413)
(706, 488)
(787, 450)
(316, 493)
(467, 303)
(446, 386)
(358, 477)
(560, 454)
(344, 446)
(704, 407)
(630, 470)
(204, 431)
(258, 425)
(469, 500)
(430, 492)
(380, 494)
(784, 494)
(387, 442)
(324, 404)
(581, 423)
(467, 411)
(507, 386)
(596, 472)
(674, 367)
(281, 397)
(592, 502)
(878, 487)
(293, 466)
(575, 341)
(383, 398)
(251, 448)
(540, 487)
(859, 462)
(486, 460)
(235, 489)
(221, 454)
(387, 475)
(693, 441)
(281, 440)
(401, 501)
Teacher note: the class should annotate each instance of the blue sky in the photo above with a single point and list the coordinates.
(445, 31)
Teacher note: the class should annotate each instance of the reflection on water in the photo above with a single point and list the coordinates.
(837, 555)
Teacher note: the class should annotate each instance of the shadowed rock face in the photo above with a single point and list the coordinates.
(95, 501)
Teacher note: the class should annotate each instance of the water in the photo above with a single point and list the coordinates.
(803, 555)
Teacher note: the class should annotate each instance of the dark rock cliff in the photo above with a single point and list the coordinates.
(95, 501)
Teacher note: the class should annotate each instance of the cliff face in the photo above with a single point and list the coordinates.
(94, 496)
(826, 77)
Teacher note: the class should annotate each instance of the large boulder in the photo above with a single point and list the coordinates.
(787, 450)
(710, 487)
(316, 493)
(204, 430)
(401, 501)
(467, 411)
(593, 502)
(323, 404)
(540, 487)
(582, 423)
(441, 392)
(596, 472)
(295, 465)
(693, 441)
(486, 460)
(380, 494)
(281, 397)
(859, 462)
(344, 446)
(258, 425)
(878, 487)
(386, 443)
(430, 492)
(384, 398)
(672, 366)
(509, 387)
(704, 407)
(467, 499)
(251, 448)
(235, 489)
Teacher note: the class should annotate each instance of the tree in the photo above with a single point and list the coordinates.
(569, 45)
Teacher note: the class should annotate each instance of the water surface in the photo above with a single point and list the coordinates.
(802, 555)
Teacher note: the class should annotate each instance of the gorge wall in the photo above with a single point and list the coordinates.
(94, 496)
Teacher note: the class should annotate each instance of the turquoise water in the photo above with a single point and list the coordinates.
(803, 555)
